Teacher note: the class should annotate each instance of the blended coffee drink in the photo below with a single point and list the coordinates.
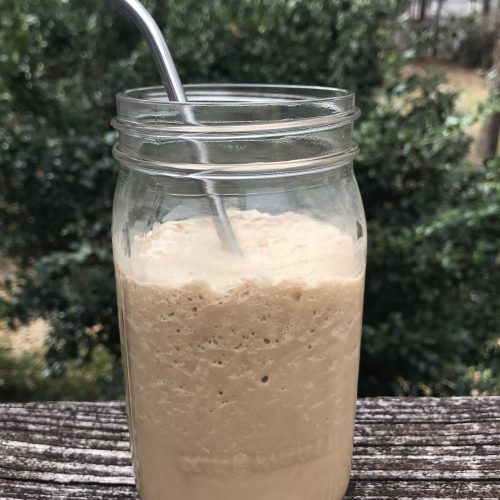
(241, 371)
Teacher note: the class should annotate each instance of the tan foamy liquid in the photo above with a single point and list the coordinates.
(242, 371)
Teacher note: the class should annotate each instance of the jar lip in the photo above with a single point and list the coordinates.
(274, 94)
(236, 126)
(233, 109)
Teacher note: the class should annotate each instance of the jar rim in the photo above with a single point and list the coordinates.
(157, 95)
(236, 126)
(233, 109)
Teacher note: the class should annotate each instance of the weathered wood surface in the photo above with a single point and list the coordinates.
(422, 448)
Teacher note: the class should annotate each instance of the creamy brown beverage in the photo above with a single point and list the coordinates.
(242, 371)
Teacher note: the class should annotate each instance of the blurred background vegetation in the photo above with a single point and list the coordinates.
(428, 171)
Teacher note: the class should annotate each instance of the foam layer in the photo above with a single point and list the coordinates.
(275, 247)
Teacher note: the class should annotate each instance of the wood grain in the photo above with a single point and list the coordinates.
(421, 448)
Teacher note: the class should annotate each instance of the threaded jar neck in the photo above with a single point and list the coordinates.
(235, 129)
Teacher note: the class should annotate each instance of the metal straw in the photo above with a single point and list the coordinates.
(175, 92)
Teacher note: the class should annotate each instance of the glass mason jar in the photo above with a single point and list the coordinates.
(240, 364)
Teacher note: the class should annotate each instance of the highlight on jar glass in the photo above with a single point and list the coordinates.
(241, 360)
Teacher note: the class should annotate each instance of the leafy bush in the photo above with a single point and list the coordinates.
(26, 377)
(432, 284)
(477, 42)
(60, 67)
(432, 288)
(434, 232)
(467, 40)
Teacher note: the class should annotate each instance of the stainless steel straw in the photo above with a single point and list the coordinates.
(175, 92)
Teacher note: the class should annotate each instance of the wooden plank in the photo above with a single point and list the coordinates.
(458, 409)
(389, 409)
(367, 433)
(381, 490)
(422, 434)
(27, 490)
(424, 448)
(423, 490)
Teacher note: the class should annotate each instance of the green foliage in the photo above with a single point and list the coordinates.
(432, 285)
(433, 280)
(467, 40)
(408, 143)
(477, 43)
(26, 377)
(61, 64)
(432, 303)
(320, 42)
